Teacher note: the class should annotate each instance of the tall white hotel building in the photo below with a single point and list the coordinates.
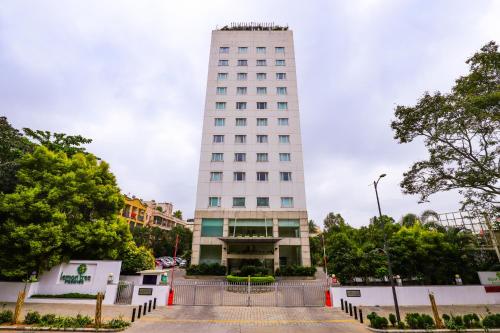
(250, 202)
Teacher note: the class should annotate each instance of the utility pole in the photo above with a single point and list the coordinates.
(389, 265)
(324, 255)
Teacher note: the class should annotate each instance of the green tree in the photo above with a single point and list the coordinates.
(69, 144)
(461, 131)
(177, 214)
(316, 250)
(62, 208)
(162, 242)
(313, 228)
(334, 222)
(13, 145)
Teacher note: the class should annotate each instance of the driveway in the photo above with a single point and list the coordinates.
(246, 319)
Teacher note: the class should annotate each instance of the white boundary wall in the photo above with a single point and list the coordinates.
(159, 292)
(415, 295)
(10, 290)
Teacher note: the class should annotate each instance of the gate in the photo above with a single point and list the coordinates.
(124, 292)
(283, 293)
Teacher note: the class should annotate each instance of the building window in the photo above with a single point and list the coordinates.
(242, 62)
(261, 121)
(221, 90)
(241, 121)
(214, 202)
(282, 121)
(241, 76)
(280, 76)
(261, 49)
(261, 62)
(282, 105)
(240, 157)
(286, 176)
(223, 49)
(280, 62)
(261, 76)
(212, 227)
(216, 176)
(261, 90)
(261, 138)
(223, 62)
(218, 139)
(242, 49)
(241, 105)
(286, 202)
(222, 76)
(284, 139)
(210, 254)
(241, 90)
(262, 157)
(239, 176)
(279, 49)
(217, 157)
(289, 228)
(239, 202)
(220, 121)
(240, 139)
(281, 91)
(261, 105)
(262, 201)
(285, 157)
(262, 176)
(220, 105)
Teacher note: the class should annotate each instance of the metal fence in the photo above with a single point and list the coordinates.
(282, 294)
(124, 292)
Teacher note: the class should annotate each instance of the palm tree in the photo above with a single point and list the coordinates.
(427, 218)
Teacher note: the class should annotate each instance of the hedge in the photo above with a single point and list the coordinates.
(51, 320)
(253, 279)
(295, 270)
(206, 269)
(68, 295)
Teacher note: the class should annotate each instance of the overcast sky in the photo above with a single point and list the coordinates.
(131, 75)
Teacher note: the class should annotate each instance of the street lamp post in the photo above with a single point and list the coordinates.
(389, 265)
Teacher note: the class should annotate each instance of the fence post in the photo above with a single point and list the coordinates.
(144, 309)
(350, 309)
(346, 307)
(194, 293)
(355, 313)
(276, 293)
(139, 312)
(154, 304)
(149, 305)
(303, 294)
(222, 293)
(360, 316)
(98, 310)
(133, 315)
(342, 304)
(248, 292)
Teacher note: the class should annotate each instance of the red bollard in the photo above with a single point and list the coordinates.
(328, 300)
(171, 297)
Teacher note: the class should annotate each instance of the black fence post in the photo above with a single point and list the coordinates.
(350, 309)
(360, 316)
(145, 308)
(149, 305)
(346, 307)
(355, 313)
(133, 315)
(342, 304)
(154, 304)
(139, 312)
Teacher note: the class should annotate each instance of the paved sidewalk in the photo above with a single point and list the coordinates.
(246, 319)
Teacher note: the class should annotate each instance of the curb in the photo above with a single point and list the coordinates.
(71, 329)
(445, 330)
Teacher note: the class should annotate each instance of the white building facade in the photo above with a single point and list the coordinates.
(251, 203)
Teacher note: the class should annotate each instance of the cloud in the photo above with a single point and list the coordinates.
(132, 76)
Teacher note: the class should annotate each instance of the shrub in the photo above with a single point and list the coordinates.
(446, 317)
(471, 320)
(48, 319)
(492, 321)
(253, 271)
(32, 317)
(254, 279)
(295, 270)
(377, 321)
(419, 321)
(206, 269)
(68, 295)
(6, 316)
(392, 319)
(117, 323)
(401, 325)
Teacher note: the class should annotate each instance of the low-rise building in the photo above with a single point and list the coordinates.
(135, 212)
